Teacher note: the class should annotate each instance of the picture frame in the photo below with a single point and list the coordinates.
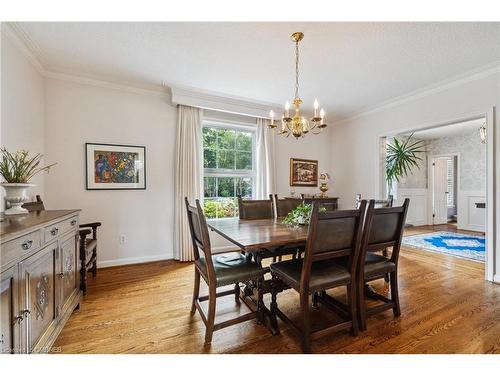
(115, 167)
(303, 172)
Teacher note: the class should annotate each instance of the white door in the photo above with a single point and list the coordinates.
(440, 204)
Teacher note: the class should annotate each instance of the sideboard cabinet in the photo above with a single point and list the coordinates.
(39, 272)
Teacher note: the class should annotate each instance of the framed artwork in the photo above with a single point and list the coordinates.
(115, 167)
(303, 172)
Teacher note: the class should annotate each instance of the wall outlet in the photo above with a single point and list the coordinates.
(122, 239)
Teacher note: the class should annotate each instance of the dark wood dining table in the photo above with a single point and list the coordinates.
(252, 236)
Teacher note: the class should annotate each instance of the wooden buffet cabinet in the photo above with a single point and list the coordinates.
(39, 271)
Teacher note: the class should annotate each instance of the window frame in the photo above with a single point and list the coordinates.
(231, 173)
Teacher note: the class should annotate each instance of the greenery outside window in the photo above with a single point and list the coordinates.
(229, 167)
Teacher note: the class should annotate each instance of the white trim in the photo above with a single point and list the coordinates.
(496, 279)
(470, 76)
(23, 45)
(221, 102)
(132, 260)
(106, 84)
(225, 249)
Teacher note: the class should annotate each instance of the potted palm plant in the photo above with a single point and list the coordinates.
(17, 169)
(402, 156)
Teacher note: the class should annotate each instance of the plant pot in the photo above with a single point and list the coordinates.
(15, 195)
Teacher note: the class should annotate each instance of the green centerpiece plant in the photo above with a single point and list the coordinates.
(301, 215)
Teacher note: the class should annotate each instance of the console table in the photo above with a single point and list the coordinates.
(39, 283)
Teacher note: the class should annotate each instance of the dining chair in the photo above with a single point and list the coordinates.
(331, 235)
(251, 209)
(383, 228)
(88, 245)
(285, 205)
(218, 271)
(380, 203)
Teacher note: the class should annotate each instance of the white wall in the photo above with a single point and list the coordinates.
(22, 106)
(79, 113)
(355, 142)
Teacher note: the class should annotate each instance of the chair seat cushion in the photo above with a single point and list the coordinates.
(231, 268)
(324, 274)
(378, 265)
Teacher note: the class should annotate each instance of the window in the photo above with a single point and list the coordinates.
(229, 168)
(450, 181)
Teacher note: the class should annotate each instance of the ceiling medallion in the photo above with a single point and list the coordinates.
(297, 125)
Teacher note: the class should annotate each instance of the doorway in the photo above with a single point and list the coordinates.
(420, 212)
(443, 177)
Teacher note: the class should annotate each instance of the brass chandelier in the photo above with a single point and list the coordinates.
(298, 125)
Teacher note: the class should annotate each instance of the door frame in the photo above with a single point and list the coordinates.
(490, 225)
(430, 183)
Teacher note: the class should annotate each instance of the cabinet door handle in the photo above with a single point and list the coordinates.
(73, 222)
(54, 231)
(18, 319)
(27, 244)
(61, 275)
(26, 312)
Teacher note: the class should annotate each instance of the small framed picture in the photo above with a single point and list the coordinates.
(303, 172)
(115, 167)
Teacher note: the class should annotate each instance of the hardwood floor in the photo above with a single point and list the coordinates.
(447, 307)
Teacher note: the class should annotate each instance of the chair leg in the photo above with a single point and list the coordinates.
(395, 293)
(386, 254)
(315, 300)
(260, 299)
(306, 323)
(351, 300)
(237, 293)
(274, 304)
(196, 290)
(211, 315)
(361, 304)
(94, 264)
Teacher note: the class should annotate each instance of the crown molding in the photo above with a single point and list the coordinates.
(24, 44)
(220, 102)
(474, 75)
(160, 92)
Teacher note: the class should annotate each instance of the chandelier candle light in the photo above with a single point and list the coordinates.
(298, 125)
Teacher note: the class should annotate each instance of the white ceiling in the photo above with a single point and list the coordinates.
(348, 66)
(451, 130)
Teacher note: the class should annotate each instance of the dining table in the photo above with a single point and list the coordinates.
(252, 237)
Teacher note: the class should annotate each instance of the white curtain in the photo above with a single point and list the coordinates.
(265, 183)
(188, 176)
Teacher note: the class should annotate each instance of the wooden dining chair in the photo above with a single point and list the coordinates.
(255, 209)
(252, 209)
(331, 235)
(285, 205)
(218, 271)
(383, 229)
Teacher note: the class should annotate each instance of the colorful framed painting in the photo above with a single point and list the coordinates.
(303, 172)
(115, 167)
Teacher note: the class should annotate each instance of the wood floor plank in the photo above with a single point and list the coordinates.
(447, 307)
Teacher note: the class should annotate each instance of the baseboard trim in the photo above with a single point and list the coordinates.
(496, 279)
(224, 249)
(132, 260)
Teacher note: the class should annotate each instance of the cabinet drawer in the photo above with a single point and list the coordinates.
(18, 247)
(54, 230)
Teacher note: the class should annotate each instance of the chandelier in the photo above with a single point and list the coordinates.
(296, 124)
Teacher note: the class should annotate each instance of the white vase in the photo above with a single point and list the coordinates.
(15, 194)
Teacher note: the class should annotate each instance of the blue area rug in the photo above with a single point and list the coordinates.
(456, 244)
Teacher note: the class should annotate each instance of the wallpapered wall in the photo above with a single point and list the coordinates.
(472, 161)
